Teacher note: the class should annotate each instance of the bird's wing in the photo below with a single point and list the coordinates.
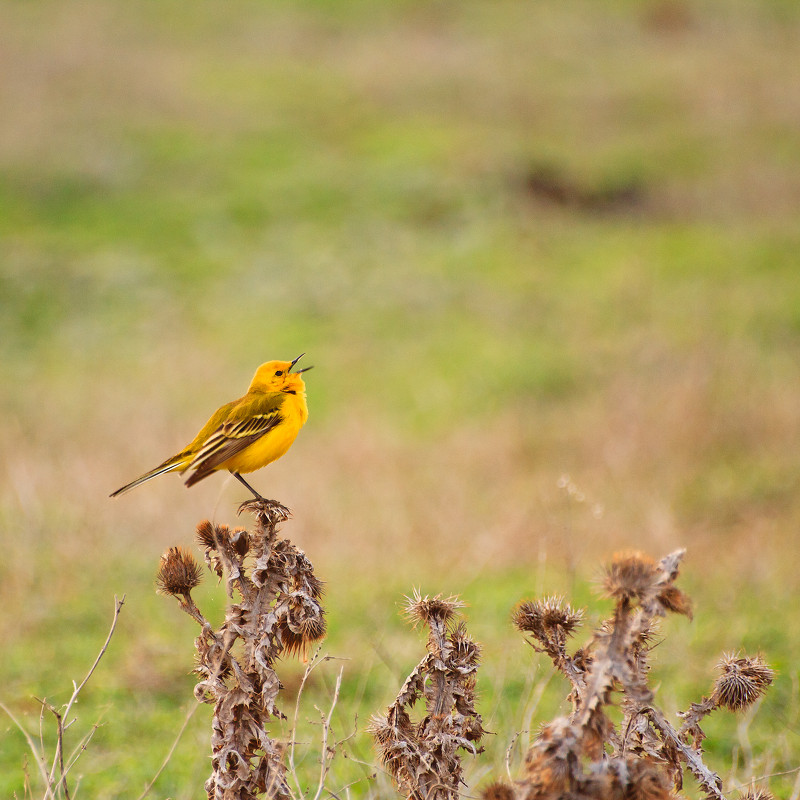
(247, 422)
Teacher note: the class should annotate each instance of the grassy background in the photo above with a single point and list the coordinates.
(544, 259)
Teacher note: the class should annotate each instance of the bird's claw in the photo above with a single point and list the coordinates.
(271, 509)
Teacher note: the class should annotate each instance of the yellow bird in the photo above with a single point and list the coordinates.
(245, 434)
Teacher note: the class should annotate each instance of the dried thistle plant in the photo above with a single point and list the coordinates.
(423, 757)
(585, 755)
(278, 612)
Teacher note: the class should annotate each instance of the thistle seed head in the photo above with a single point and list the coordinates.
(178, 572)
(645, 780)
(630, 576)
(673, 599)
(380, 730)
(757, 793)
(222, 669)
(314, 586)
(742, 681)
(466, 652)
(498, 791)
(296, 636)
(428, 610)
(546, 616)
(212, 536)
(391, 734)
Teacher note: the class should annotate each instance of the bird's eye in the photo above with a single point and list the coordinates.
(279, 373)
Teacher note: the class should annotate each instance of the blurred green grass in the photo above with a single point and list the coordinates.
(190, 190)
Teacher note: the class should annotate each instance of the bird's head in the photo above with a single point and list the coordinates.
(279, 376)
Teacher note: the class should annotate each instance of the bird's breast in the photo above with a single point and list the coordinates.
(273, 444)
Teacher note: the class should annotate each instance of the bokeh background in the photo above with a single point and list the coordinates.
(544, 259)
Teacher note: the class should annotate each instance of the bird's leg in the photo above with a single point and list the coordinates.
(245, 483)
(269, 510)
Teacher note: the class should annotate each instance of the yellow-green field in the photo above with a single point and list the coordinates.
(545, 259)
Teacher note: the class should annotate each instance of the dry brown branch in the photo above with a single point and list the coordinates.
(278, 612)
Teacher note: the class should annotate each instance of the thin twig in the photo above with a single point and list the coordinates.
(510, 750)
(117, 609)
(796, 788)
(77, 689)
(41, 730)
(772, 775)
(325, 758)
(79, 750)
(59, 756)
(344, 788)
(313, 663)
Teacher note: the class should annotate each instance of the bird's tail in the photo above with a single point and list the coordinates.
(175, 463)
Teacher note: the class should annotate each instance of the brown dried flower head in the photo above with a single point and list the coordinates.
(466, 652)
(644, 780)
(211, 536)
(546, 765)
(428, 610)
(391, 735)
(673, 599)
(630, 576)
(757, 793)
(178, 572)
(743, 680)
(548, 615)
(296, 636)
(498, 791)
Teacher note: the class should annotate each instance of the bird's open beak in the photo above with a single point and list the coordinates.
(305, 369)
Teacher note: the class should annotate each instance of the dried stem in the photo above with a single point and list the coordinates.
(58, 758)
(325, 755)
